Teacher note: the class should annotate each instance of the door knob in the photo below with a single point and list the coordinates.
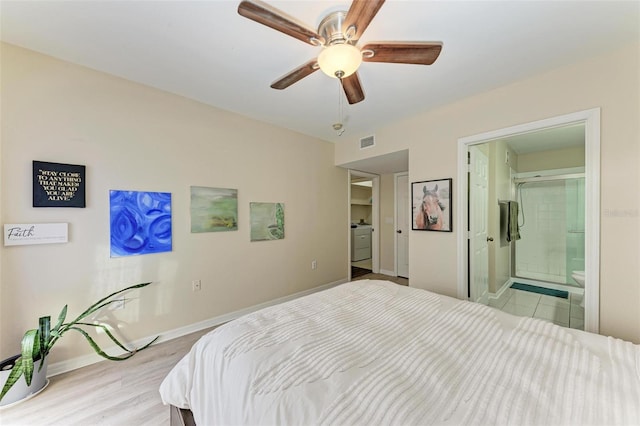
(399, 231)
(489, 238)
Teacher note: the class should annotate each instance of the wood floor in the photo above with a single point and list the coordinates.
(113, 393)
(107, 393)
(372, 276)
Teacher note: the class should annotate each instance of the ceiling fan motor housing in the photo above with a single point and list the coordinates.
(330, 29)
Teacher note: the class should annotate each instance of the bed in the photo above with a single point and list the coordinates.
(376, 353)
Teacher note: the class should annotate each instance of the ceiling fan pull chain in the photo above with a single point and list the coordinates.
(339, 126)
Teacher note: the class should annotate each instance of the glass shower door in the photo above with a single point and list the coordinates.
(552, 230)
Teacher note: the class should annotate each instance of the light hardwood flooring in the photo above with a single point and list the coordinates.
(107, 393)
(372, 276)
(113, 393)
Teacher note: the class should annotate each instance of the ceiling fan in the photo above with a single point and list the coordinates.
(338, 34)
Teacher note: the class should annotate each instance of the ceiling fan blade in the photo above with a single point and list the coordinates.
(352, 88)
(359, 16)
(265, 14)
(295, 75)
(422, 53)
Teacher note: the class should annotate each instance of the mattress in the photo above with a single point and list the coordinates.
(373, 352)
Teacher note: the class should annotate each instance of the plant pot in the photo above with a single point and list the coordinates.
(20, 391)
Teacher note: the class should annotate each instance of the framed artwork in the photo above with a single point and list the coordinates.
(213, 209)
(431, 205)
(58, 185)
(140, 222)
(267, 221)
(35, 233)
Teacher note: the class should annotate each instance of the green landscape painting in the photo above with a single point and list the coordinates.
(214, 209)
(267, 221)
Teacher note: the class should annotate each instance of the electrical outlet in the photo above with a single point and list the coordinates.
(196, 285)
(118, 304)
(314, 264)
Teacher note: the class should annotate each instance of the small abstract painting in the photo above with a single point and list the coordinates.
(140, 222)
(213, 209)
(267, 221)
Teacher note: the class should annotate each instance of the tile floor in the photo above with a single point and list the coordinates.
(564, 312)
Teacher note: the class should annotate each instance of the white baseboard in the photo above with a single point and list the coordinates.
(82, 361)
(390, 273)
(501, 291)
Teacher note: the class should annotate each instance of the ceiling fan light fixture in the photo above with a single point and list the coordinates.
(340, 60)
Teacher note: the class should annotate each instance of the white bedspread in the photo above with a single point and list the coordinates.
(376, 353)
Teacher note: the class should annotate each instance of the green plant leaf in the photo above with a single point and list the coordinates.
(107, 332)
(45, 330)
(45, 337)
(15, 374)
(103, 354)
(105, 304)
(61, 318)
(148, 344)
(30, 345)
(100, 303)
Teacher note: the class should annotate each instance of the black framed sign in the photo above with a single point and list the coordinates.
(58, 185)
(431, 205)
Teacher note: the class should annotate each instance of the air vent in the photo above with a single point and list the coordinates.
(367, 142)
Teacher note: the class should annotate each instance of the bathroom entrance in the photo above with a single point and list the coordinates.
(532, 226)
(522, 160)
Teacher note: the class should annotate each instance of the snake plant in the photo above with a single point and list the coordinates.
(37, 343)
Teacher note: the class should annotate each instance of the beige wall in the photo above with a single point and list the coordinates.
(611, 82)
(133, 137)
(553, 159)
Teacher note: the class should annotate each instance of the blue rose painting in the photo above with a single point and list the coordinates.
(140, 222)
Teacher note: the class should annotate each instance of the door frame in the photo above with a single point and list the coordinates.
(375, 219)
(591, 120)
(395, 217)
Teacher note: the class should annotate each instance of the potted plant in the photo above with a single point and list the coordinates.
(37, 343)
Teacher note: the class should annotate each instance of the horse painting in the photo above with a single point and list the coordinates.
(430, 212)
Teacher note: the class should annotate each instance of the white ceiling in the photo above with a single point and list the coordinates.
(205, 51)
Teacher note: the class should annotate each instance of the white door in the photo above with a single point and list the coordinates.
(478, 221)
(402, 225)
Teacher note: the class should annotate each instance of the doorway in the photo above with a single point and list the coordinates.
(382, 170)
(590, 120)
(363, 222)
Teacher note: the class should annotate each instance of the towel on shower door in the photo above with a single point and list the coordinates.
(513, 230)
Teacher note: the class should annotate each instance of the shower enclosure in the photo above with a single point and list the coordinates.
(551, 219)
